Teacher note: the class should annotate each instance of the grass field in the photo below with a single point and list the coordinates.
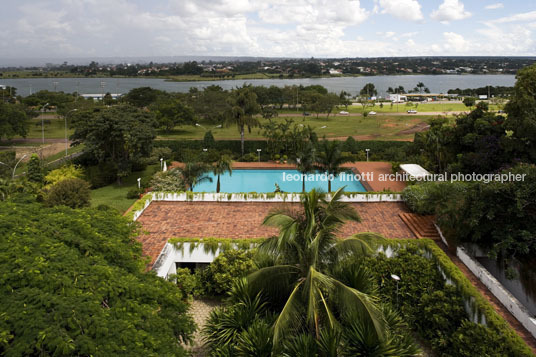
(383, 127)
(54, 130)
(402, 108)
(116, 195)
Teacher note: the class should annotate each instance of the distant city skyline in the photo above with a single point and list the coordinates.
(39, 29)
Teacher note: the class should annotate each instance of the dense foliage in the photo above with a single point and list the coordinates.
(13, 121)
(499, 217)
(438, 310)
(70, 192)
(73, 283)
(118, 136)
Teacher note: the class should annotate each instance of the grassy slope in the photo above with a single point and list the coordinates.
(385, 127)
(116, 195)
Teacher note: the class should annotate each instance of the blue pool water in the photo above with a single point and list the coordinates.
(265, 180)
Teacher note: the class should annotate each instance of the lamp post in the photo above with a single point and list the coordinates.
(66, 143)
(102, 85)
(201, 126)
(259, 151)
(17, 164)
(139, 183)
(397, 279)
(161, 163)
(42, 123)
(367, 150)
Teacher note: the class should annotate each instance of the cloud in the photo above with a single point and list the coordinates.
(455, 43)
(495, 6)
(450, 10)
(403, 9)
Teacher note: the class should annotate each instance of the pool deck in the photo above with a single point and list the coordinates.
(164, 220)
(372, 183)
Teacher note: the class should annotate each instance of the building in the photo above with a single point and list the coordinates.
(100, 96)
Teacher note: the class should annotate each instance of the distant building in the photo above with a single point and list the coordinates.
(100, 96)
(395, 98)
(482, 97)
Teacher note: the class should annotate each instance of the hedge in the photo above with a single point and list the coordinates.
(379, 150)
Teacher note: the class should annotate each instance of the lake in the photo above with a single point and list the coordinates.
(436, 83)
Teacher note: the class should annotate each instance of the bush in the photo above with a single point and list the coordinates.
(250, 157)
(134, 192)
(9, 159)
(72, 193)
(229, 266)
(167, 181)
(188, 283)
(64, 172)
(101, 175)
(428, 197)
(208, 140)
(35, 170)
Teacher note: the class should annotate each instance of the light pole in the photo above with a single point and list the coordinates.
(42, 123)
(66, 143)
(201, 126)
(102, 84)
(367, 150)
(259, 151)
(17, 164)
(139, 183)
(397, 279)
(161, 163)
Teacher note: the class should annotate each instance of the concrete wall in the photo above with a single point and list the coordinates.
(496, 288)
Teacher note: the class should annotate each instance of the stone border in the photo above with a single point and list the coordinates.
(500, 292)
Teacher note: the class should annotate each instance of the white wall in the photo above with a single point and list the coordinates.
(496, 288)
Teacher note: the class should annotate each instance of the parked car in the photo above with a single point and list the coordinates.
(305, 114)
(412, 111)
(372, 113)
(342, 112)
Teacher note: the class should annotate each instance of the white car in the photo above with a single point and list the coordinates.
(372, 113)
(343, 113)
(412, 111)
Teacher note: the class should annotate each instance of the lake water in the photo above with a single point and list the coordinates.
(436, 83)
(288, 181)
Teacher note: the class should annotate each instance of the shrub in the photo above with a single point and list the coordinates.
(428, 197)
(9, 159)
(160, 153)
(188, 283)
(250, 157)
(134, 192)
(72, 193)
(167, 181)
(35, 170)
(64, 172)
(208, 140)
(101, 175)
(226, 269)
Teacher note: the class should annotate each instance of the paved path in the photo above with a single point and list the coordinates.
(200, 310)
(164, 220)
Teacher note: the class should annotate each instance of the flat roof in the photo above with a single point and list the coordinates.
(414, 170)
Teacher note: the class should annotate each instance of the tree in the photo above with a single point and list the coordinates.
(302, 279)
(119, 135)
(171, 112)
(82, 289)
(369, 90)
(330, 160)
(222, 166)
(13, 121)
(244, 106)
(521, 110)
(469, 101)
(143, 96)
(35, 169)
(193, 173)
(70, 192)
(305, 161)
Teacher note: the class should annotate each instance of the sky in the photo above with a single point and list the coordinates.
(266, 28)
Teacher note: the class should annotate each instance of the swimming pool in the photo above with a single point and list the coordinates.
(288, 181)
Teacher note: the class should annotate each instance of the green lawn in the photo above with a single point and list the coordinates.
(116, 195)
(54, 130)
(401, 108)
(385, 127)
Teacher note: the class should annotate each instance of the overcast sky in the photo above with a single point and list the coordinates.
(279, 28)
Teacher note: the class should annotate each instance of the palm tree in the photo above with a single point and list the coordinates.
(303, 279)
(330, 160)
(223, 165)
(193, 173)
(305, 161)
(244, 106)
